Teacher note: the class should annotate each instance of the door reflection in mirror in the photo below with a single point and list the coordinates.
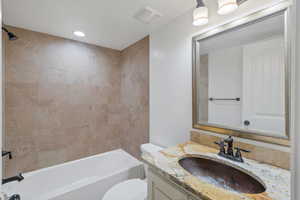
(248, 64)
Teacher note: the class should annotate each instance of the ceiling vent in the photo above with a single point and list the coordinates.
(147, 15)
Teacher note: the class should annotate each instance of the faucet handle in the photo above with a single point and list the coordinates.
(238, 155)
(222, 146)
(243, 150)
(221, 143)
(217, 143)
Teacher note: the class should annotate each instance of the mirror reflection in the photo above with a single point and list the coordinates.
(241, 78)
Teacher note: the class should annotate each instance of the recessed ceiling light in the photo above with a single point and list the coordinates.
(79, 33)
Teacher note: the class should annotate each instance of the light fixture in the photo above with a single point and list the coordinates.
(227, 6)
(200, 14)
(79, 33)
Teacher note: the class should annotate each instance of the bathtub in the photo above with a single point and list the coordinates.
(84, 179)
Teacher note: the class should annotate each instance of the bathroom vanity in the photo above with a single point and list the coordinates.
(169, 179)
(161, 188)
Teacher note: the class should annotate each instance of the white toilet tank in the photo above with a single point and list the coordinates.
(148, 149)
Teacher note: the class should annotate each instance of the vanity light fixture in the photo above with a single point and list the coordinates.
(79, 33)
(228, 6)
(200, 14)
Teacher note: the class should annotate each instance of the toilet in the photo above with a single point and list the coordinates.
(133, 189)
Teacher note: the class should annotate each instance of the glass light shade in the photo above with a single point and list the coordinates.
(200, 16)
(227, 6)
(79, 33)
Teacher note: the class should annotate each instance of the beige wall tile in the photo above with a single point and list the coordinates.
(135, 96)
(65, 100)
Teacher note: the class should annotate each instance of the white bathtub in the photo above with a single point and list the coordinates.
(84, 179)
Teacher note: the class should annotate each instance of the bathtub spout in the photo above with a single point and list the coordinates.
(11, 179)
(15, 197)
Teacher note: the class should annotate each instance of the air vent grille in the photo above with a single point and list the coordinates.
(147, 15)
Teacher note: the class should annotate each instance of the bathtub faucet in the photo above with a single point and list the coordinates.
(11, 179)
(15, 197)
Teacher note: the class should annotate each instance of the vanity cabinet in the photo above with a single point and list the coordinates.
(159, 188)
(192, 198)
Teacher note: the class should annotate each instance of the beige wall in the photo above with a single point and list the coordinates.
(66, 100)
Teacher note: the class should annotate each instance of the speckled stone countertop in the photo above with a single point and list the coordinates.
(276, 180)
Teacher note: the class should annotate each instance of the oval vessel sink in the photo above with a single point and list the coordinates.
(222, 175)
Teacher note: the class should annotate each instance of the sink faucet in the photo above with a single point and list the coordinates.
(14, 178)
(229, 142)
(229, 154)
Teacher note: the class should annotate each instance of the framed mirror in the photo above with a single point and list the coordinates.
(241, 78)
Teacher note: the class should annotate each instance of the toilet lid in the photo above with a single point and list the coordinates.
(134, 189)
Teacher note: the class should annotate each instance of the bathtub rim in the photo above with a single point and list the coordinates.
(34, 172)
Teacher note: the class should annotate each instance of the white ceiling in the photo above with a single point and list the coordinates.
(107, 23)
(261, 30)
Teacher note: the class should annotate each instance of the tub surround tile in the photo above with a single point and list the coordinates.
(65, 100)
(277, 180)
(49, 158)
(135, 96)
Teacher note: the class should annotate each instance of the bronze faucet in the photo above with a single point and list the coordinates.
(229, 153)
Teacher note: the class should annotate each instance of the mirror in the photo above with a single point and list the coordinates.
(241, 80)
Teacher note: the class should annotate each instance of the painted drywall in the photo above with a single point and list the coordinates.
(110, 23)
(171, 72)
(1, 92)
(296, 146)
(64, 100)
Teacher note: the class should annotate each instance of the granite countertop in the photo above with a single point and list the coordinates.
(276, 180)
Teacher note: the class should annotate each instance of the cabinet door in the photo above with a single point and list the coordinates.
(159, 195)
(193, 198)
(263, 86)
(161, 189)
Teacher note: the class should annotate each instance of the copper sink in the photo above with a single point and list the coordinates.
(222, 175)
